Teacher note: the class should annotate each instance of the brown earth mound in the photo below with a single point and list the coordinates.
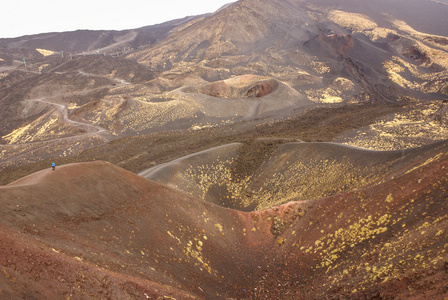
(246, 86)
(93, 230)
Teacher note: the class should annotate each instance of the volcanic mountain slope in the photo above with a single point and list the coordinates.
(33, 47)
(422, 124)
(49, 113)
(314, 44)
(71, 83)
(255, 218)
(87, 101)
(94, 230)
(249, 61)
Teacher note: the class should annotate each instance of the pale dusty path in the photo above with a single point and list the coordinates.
(121, 41)
(36, 146)
(62, 109)
(117, 80)
(151, 171)
(7, 155)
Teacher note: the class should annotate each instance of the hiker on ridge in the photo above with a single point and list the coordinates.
(53, 166)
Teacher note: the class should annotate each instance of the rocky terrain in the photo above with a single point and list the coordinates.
(82, 42)
(271, 150)
(116, 234)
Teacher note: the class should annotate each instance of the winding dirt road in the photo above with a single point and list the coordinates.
(9, 153)
(62, 109)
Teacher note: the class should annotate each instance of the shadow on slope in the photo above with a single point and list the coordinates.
(269, 172)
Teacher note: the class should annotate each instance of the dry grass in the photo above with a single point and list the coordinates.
(45, 52)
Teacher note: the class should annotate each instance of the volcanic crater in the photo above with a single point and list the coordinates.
(121, 235)
(269, 172)
(246, 86)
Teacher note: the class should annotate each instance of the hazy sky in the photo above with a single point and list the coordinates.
(23, 17)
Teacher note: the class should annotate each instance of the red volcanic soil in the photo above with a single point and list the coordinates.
(337, 43)
(94, 230)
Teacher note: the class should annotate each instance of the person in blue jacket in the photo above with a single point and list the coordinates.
(53, 166)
